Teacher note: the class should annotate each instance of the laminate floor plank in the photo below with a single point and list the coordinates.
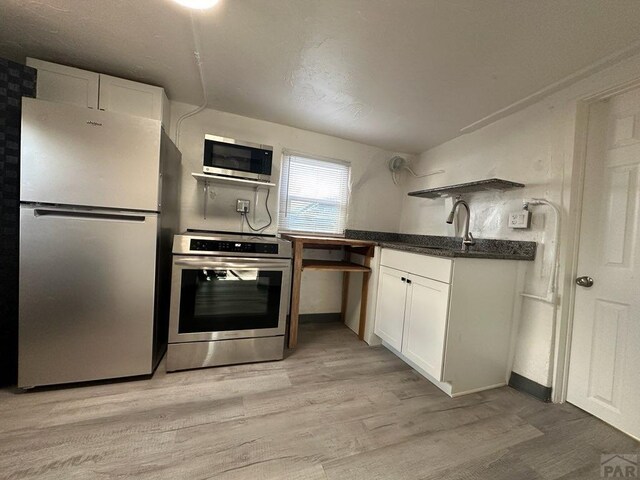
(420, 456)
(334, 408)
(495, 466)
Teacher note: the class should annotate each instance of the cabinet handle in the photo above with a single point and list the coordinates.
(403, 279)
(408, 281)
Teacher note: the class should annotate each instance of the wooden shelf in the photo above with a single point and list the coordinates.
(302, 242)
(469, 187)
(203, 177)
(333, 266)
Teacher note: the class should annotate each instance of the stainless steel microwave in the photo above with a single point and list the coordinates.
(236, 158)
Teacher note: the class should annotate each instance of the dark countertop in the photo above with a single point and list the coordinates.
(450, 247)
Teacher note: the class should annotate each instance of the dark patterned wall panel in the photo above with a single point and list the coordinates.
(16, 81)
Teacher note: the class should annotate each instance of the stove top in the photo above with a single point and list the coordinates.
(200, 242)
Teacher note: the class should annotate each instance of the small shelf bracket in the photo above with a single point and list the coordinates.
(205, 187)
(238, 182)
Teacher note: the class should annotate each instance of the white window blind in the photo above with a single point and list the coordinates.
(314, 195)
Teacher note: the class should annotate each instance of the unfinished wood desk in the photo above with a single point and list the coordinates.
(362, 247)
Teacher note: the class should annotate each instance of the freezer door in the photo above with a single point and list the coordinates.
(78, 156)
(86, 295)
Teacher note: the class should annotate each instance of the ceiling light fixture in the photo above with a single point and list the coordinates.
(197, 4)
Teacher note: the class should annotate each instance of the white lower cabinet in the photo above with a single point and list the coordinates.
(448, 318)
(425, 323)
(392, 293)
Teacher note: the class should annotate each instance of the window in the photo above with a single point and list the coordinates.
(314, 194)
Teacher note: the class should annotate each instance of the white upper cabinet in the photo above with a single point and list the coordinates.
(133, 98)
(59, 83)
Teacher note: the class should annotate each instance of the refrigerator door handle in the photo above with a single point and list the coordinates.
(89, 214)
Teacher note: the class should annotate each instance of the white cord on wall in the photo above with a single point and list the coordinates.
(395, 177)
(398, 163)
(551, 296)
(196, 54)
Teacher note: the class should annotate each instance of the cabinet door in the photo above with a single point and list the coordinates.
(132, 98)
(426, 324)
(392, 293)
(86, 294)
(59, 83)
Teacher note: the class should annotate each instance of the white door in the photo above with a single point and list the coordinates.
(59, 83)
(604, 374)
(86, 294)
(133, 98)
(392, 292)
(425, 327)
(77, 156)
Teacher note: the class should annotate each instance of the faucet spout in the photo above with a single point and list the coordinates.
(467, 237)
(450, 217)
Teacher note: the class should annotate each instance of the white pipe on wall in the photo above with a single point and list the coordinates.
(203, 105)
(552, 294)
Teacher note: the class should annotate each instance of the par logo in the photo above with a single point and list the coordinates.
(619, 466)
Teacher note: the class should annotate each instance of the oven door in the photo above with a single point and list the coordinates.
(214, 298)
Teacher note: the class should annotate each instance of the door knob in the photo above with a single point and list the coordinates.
(584, 281)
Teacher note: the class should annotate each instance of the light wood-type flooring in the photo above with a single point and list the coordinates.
(334, 409)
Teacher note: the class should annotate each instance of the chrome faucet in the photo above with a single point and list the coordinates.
(467, 238)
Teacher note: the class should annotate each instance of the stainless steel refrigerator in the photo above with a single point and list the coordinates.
(98, 194)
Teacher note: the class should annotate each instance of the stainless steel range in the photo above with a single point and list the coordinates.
(229, 299)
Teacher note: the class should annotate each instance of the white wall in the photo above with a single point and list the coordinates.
(375, 201)
(536, 147)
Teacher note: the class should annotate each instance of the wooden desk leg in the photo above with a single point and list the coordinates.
(345, 295)
(363, 299)
(295, 294)
(345, 290)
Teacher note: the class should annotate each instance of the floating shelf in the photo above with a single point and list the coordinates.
(328, 265)
(209, 179)
(470, 187)
(203, 177)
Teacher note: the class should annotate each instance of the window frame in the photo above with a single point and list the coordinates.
(320, 158)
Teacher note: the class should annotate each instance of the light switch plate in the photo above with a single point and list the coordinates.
(242, 206)
(521, 219)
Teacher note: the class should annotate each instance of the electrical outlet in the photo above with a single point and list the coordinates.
(520, 219)
(242, 206)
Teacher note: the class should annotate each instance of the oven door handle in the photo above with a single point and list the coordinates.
(245, 263)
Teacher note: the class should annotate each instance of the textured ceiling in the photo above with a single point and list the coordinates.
(404, 75)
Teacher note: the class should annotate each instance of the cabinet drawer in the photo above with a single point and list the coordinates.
(435, 268)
